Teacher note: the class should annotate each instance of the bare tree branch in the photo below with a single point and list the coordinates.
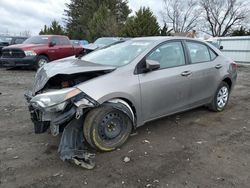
(221, 16)
(182, 15)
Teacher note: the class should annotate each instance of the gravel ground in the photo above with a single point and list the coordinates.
(198, 148)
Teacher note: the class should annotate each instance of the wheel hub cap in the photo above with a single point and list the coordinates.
(222, 97)
(111, 126)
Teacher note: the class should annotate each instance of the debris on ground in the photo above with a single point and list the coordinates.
(200, 142)
(146, 142)
(130, 151)
(57, 174)
(9, 149)
(134, 134)
(126, 159)
(16, 157)
(73, 147)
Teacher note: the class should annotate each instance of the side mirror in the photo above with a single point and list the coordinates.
(221, 47)
(152, 65)
(52, 43)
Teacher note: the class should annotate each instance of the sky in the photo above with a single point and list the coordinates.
(18, 16)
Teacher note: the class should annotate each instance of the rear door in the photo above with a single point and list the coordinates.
(167, 89)
(205, 72)
(66, 48)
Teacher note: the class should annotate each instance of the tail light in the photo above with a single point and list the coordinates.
(233, 67)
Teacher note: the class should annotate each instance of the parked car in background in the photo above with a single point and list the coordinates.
(75, 42)
(101, 43)
(38, 50)
(10, 40)
(107, 93)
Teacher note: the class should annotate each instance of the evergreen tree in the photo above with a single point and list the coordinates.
(165, 31)
(103, 24)
(241, 32)
(54, 29)
(80, 15)
(144, 23)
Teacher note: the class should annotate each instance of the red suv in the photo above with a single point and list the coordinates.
(38, 50)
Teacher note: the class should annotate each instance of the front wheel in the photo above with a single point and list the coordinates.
(221, 98)
(41, 60)
(106, 128)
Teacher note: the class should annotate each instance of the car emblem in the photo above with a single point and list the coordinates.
(10, 52)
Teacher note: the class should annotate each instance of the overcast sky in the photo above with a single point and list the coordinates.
(19, 15)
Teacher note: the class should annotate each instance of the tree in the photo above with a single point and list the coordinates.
(221, 16)
(144, 23)
(182, 15)
(165, 31)
(241, 32)
(54, 29)
(104, 23)
(79, 15)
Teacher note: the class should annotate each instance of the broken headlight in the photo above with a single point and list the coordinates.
(54, 101)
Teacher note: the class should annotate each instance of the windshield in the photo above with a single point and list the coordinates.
(119, 54)
(105, 41)
(37, 40)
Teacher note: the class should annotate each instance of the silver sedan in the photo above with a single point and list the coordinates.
(108, 93)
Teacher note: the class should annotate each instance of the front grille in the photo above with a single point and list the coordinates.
(13, 53)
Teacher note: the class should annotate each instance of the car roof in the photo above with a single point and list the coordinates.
(51, 35)
(164, 38)
(13, 36)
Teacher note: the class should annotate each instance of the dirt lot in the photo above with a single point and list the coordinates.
(198, 148)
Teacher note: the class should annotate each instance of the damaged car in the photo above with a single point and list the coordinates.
(98, 99)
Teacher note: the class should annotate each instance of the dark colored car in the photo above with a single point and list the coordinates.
(101, 43)
(38, 50)
(10, 40)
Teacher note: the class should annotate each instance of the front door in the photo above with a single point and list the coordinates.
(166, 90)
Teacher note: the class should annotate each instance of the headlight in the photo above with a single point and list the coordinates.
(30, 53)
(55, 100)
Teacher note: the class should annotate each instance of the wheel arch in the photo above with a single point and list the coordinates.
(44, 54)
(228, 81)
(127, 104)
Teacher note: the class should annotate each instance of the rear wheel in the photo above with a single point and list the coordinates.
(106, 128)
(41, 60)
(221, 98)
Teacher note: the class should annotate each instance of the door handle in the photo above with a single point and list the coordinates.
(186, 73)
(218, 66)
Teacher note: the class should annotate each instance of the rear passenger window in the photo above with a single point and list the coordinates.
(212, 54)
(198, 52)
(65, 41)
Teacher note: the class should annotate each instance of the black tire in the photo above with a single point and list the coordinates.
(214, 105)
(106, 128)
(39, 59)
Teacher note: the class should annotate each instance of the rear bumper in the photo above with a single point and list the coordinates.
(18, 62)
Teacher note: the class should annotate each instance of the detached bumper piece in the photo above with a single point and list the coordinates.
(73, 147)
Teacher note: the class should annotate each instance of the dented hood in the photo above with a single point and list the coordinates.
(65, 66)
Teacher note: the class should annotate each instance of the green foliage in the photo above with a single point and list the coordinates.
(54, 29)
(144, 23)
(103, 24)
(84, 15)
(241, 32)
(165, 31)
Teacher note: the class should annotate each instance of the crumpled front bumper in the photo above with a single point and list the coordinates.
(72, 147)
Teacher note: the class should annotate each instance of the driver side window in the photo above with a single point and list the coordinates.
(169, 55)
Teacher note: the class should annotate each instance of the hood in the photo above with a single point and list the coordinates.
(93, 46)
(26, 46)
(65, 66)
